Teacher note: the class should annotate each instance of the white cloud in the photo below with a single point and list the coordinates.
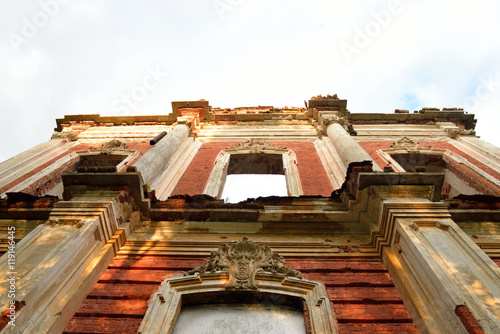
(432, 53)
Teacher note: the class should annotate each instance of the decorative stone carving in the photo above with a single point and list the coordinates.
(455, 133)
(405, 143)
(255, 146)
(70, 136)
(110, 146)
(327, 119)
(242, 261)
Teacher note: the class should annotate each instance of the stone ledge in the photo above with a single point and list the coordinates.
(433, 179)
(132, 180)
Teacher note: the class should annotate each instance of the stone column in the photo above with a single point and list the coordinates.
(347, 148)
(153, 162)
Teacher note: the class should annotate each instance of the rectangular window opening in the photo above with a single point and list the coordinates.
(454, 184)
(240, 187)
(240, 318)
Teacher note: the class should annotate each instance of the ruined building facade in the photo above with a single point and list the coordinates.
(118, 225)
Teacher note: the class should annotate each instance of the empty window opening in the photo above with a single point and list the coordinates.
(254, 175)
(240, 318)
(240, 187)
(233, 314)
(453, 186)
(101, 160)
(255, 163)
(250, 158)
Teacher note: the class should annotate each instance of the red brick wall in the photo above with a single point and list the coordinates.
(140, 147)
(361, 291)
(312, 174)
(363, 296)
(472, 178)
(49, 181)
(371, 148)
(118, 301)
(468, 320)
(196, 175)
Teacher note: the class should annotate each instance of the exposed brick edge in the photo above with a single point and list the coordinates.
(307, 317)
(11, 310)
(468, 320)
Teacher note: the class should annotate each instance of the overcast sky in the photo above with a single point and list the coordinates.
(127, 57)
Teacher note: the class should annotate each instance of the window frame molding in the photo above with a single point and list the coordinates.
(166, 303)
(130, 155)
(242, 266)
(406, 145)
(386, 154)
(217, 179)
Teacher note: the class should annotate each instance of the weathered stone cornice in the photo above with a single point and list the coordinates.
(423, 117)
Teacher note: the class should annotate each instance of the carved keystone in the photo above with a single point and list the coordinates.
(242, 261)
(405, 143)
(255, 146)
